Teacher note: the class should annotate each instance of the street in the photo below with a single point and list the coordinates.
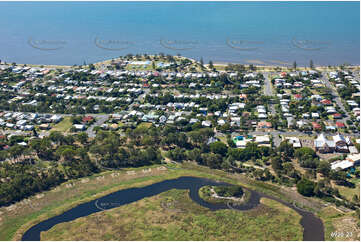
(335, 94)
(100, 119)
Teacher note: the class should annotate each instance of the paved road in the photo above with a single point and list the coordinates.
(268, 88)
(335, 94)
(100, 119)
(60, 114)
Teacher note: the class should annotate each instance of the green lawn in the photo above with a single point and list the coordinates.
(349, 192)
(63, 126)
(144, 125)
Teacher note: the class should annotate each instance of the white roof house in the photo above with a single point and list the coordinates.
(294, 141)
(353, 150)
(315, 115)
(321, 141)
(355, 158)
(241, 143)
(262, 139)
(56, 118)
(339, 139)
(221, 122)
(79, 126)
(206, 123)
(341, 165)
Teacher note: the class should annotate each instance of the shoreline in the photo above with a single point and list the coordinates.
(259, 64)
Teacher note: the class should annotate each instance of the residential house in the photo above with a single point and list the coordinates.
(316, 126)
(340, 143)
(264, 125)
(323, 145)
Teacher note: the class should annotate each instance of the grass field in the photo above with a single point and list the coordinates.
(16, 219)
(340, 226)
(63, 126)
(181, 219)
(349, 192)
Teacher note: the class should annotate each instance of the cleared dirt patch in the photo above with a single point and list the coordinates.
(86, 180)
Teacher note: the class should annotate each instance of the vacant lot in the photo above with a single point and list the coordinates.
(63, 126)
(172, 215)
(340, 226)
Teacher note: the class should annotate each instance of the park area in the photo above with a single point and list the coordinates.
(171, 215)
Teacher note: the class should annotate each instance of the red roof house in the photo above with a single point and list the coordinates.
(316, 125)
(337, 115)
(264, 125)
(340, 125)
(298, 97)
(243, 96)
(87, 119)
(326, 102)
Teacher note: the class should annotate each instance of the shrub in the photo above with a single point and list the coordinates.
(229, 191)
(306, 187)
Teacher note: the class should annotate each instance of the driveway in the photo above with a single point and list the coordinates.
(100, 119)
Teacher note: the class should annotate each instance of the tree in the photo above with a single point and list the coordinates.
(304, 153)
(306, 187)
(211, 160)
(82, 137)
(252, 67)
(355, 199)
(219, 148)
(287, 149)
(324, 168)
(201, 61)
(231, 143)
(57, 137)
(194, 155)
(276, 164)
(226, 165)
(177, 154)
(211, 65)
(340, 177)
(16, 150)
(68, 154)
(317, 190)
(294, 65)
(311, 64)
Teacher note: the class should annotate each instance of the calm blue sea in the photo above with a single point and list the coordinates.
(240, 32)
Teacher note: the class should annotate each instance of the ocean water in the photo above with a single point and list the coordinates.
(68, 33)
